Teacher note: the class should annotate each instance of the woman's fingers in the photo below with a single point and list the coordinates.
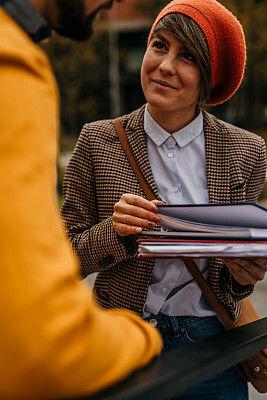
(247, 271)
(158, 202)
(132, 212)
(131, 209)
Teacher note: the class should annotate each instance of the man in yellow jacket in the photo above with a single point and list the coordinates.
(54, 341)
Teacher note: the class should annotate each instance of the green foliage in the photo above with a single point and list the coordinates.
(253, 17)
(81, 70)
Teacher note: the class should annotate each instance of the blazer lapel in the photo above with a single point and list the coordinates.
(217, 161)
(138, 144)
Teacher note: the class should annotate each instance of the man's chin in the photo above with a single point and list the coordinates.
(78, 35)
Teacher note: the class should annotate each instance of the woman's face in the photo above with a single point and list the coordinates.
(170, 78)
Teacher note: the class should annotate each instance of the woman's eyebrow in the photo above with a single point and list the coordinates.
(162, 38)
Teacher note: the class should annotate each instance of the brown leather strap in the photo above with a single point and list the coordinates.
(190, 264)
(124, 142)
(208, 292)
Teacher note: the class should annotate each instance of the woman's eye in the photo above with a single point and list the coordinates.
(158, 44)
(188, 56)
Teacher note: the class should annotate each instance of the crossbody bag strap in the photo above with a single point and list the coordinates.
(125, 145)
(190, 264)
(209, 294)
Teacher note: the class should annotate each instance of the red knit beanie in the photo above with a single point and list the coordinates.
(226, 42)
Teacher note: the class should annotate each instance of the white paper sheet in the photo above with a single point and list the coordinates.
(198, 250)
(236, 214)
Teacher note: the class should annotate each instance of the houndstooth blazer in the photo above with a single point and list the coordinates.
(99, 173)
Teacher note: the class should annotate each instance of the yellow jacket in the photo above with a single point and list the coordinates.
(54, 341)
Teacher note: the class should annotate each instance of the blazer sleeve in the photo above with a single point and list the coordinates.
(254, 185)
(94, 241)
(258, 176)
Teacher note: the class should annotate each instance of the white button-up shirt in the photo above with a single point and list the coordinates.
(178, 163)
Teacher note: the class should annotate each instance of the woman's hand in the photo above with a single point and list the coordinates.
(132, 212)
(247, 271)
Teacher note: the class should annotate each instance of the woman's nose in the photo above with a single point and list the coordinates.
(167, 66)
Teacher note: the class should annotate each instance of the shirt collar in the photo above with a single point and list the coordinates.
(182, 137)
(28, 17)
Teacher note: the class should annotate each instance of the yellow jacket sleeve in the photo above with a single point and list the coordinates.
(55, 341)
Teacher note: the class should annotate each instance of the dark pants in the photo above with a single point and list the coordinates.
(179, 331)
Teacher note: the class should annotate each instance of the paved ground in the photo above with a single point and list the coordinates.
(259, 300)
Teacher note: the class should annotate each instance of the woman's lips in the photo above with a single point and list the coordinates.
(163, 84)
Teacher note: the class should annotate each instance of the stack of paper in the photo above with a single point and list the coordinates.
(213, 230)
(197, 249)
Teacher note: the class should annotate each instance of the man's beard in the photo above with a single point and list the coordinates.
(72, 21)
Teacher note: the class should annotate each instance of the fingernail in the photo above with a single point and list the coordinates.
(138, 230)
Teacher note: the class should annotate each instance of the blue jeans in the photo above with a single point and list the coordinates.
(179, 331)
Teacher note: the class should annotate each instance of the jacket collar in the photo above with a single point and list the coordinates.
(134, 127)
(217, 159)
(217, 153)
(28, 17)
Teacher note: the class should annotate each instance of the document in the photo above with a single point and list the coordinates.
(247, 220)
(164, 248)
(208, 231)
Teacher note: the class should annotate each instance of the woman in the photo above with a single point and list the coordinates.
(195, 56)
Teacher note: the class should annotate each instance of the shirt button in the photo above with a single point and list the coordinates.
(175, 189)
(170, 155)
(153, 322)
(164, 290)
(170, 139)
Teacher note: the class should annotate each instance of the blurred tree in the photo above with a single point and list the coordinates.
(253, 100)
(81, 70)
